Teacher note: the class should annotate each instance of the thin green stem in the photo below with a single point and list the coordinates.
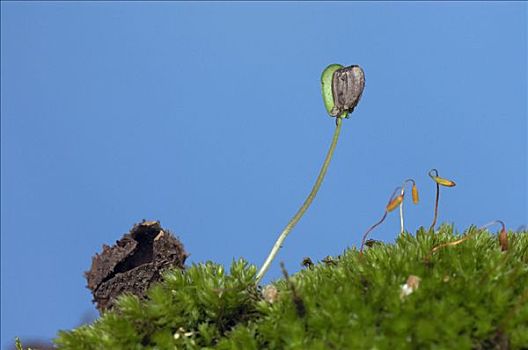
(295, 219)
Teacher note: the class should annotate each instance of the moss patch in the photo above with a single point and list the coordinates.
(468, 296)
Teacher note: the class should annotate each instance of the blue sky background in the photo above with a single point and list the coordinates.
(208, 117)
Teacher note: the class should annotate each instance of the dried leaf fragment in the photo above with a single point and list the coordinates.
(412, 284)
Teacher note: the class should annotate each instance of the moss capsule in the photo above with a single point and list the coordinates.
(415, 196)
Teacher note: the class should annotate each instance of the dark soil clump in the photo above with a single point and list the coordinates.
(133, 263)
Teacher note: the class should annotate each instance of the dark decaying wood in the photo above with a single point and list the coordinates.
(133, 263)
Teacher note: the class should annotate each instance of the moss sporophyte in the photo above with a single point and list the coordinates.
(503, 238)
(433, 173)
(394, 200)
(341, 89)
(415, 198)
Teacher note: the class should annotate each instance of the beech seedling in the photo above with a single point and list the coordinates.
(341, 88)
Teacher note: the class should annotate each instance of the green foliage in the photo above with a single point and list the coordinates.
(18, 344)
(190, 309)
(470, 296)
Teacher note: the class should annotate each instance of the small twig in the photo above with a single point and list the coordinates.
(297, 300)
(451, 244)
